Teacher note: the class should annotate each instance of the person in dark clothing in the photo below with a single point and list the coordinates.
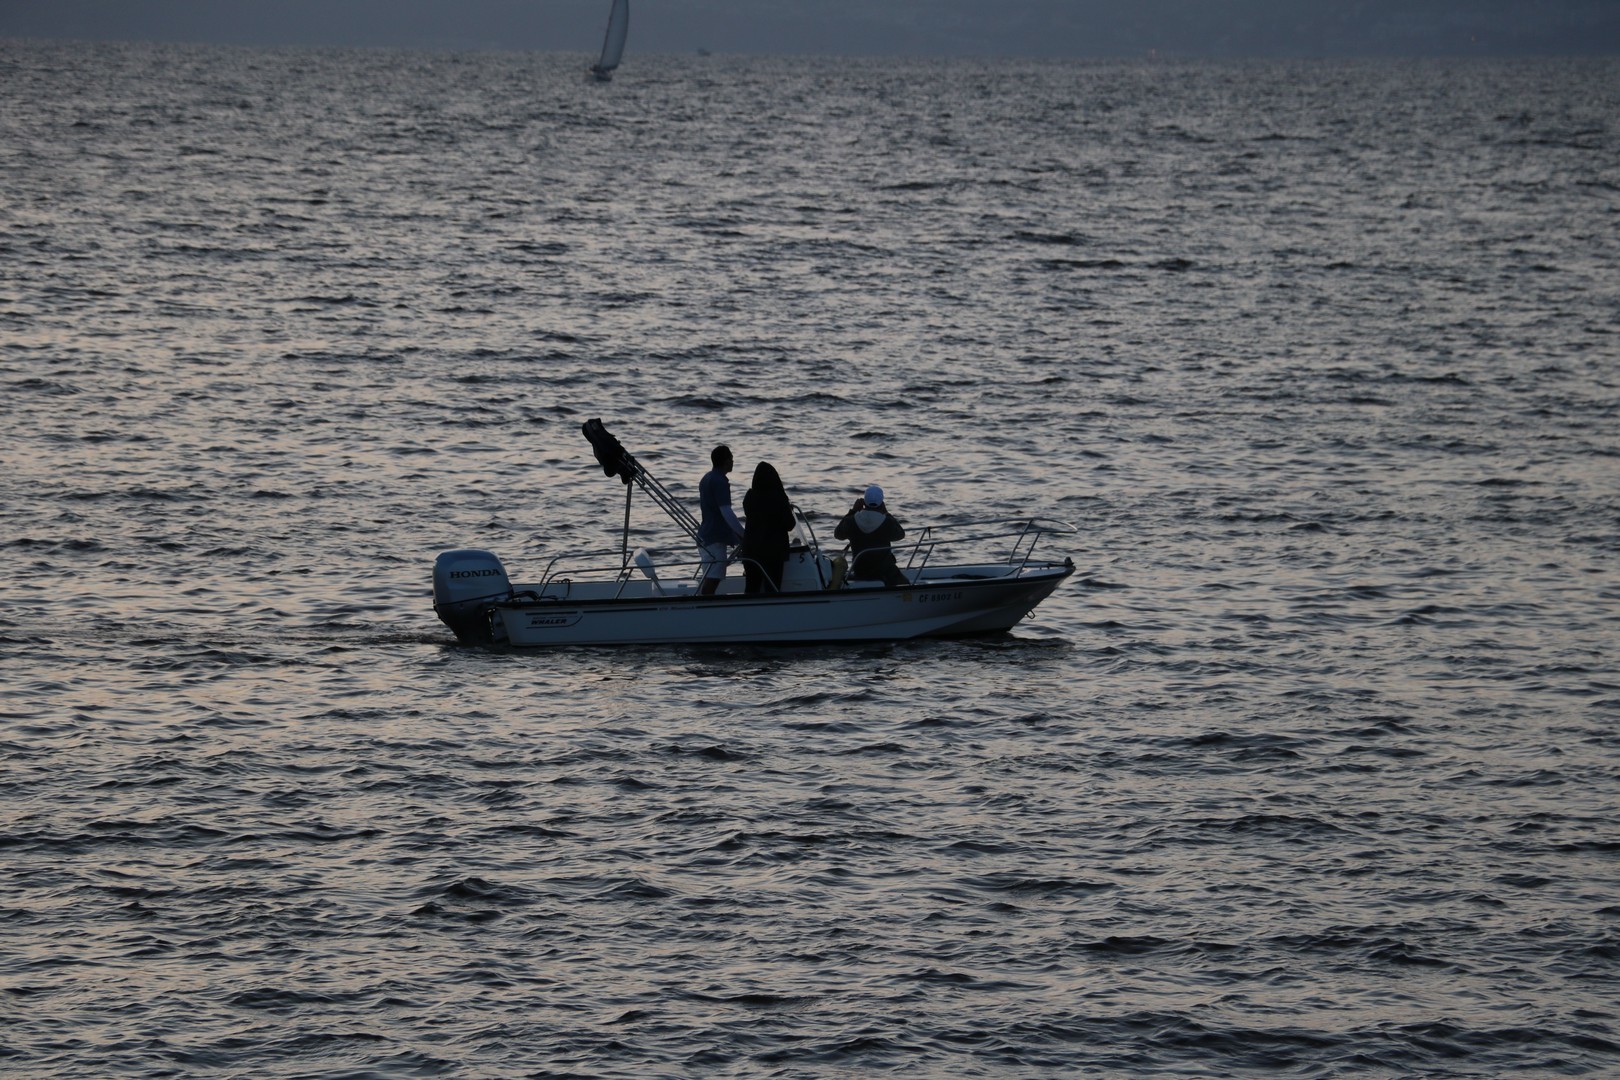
(870, 529)
(767, 521)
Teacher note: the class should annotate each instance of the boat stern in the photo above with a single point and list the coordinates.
(467, 582)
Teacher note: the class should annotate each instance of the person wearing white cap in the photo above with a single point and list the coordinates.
(870, 529)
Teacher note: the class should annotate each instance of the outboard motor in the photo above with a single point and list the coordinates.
(465, 583)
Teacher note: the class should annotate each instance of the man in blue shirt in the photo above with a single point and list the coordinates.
(719, 528)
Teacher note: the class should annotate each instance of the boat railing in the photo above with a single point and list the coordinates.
(803, 521)
(562, 571)
(1018, 539)
(1023, 535)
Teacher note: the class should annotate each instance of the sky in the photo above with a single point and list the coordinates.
(1033, 28)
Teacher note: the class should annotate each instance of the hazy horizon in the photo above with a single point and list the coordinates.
(1032, 28)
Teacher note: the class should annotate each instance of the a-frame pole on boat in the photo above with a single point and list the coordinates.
(624, 546)
(617, 461)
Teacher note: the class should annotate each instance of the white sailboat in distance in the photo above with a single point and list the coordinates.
(618, 28)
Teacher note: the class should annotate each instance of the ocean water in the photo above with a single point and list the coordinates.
(1310, 770)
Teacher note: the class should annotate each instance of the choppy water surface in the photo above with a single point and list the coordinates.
(1311, 770)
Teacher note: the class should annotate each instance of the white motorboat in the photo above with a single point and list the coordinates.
(625, 598)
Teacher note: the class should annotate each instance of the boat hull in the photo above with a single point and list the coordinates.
(934, 608)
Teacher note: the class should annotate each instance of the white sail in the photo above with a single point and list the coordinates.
(618, 29)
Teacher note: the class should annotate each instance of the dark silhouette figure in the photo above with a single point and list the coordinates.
(767, 521)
